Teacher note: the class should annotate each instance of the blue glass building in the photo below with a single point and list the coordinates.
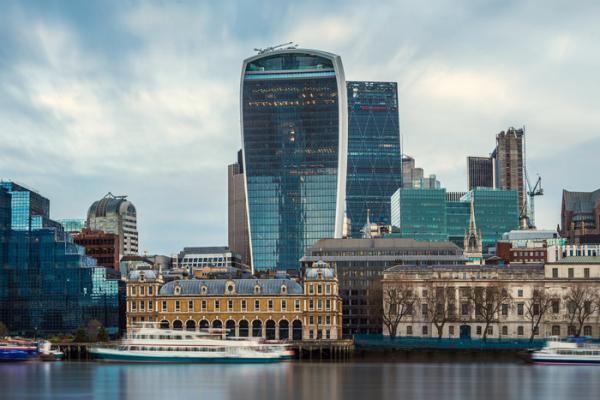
(294, 136)
(47, 284)
(374, 154)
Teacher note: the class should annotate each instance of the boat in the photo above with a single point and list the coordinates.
(17, 350)
(46, 353)
(150, 344)
(573, 351)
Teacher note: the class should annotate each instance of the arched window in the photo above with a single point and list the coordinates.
(190, 325)
(230, 287)
(284, 330)
(297, 330)
(204, 324)
(177, 290)
(257, 328)
(164, 324)
(243, 327)
(587, 330)
(283, 289)
(555, 330)
(178, 325)
(204, 289)
(256, 289)
(230, 326)
(270, 329)
(217, 324)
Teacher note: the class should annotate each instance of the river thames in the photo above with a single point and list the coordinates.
(364, 380)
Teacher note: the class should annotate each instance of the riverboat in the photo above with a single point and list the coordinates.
(155, 345)
(17, 350)
(571, 352)
(47, 353)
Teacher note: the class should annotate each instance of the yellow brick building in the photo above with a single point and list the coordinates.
(269, 308)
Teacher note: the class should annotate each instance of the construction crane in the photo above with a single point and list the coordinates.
(536, 190)
(267, 49)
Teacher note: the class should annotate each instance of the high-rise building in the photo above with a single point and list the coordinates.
(294, 136)
(480, 172)
(237, 217)
(509, 167)
(115, 214)
(413, 177)
(580, 217)
(102, 246)
(47, 284)
(374, 157)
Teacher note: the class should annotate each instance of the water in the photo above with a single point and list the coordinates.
(361, 380)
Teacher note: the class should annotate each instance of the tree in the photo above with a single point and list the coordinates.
(398, 302)
(102, 335)
(80, 336)
(92, 329)
(440, 305)
(487, 301)
(537, 307)
(582, 302)
(3, 329)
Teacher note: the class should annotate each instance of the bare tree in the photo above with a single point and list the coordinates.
(537, 307)
(398, 302)
(582, 302)
(440, 305)
(487, 302)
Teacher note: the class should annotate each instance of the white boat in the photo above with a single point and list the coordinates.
(150, 344)
(559, 351)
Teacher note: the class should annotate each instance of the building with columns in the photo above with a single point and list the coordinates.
(278, 308)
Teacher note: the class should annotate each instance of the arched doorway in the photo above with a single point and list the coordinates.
(177, 325)
(465, 332)
(190, 325)
(270, 329)
(257, 328)
(284, 330)
(243, 326)
(204, 324)
(297, 330)
(164, 324)
(230, 326)
(217, 324)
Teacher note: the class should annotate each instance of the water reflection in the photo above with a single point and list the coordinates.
(348, 381)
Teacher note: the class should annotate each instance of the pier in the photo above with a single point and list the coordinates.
(324, 349)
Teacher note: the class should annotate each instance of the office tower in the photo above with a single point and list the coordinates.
(115, 214)
(102, 246)
(374, 157)
(420, 213)
(580, 217)
(294, 136)
(47, 285)
(237, 217)
(413, 177)
(480, 172)
(508, 159)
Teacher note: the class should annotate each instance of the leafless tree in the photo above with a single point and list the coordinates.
(487, 302)
(398, 302)
(582, 302)
(440, 305)
(536, 307)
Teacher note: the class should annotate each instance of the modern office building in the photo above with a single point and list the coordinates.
(427, 214)
(72, 225)
(413, 177)
(374, 157)
(580, 217)
(102, 246)
(509, 163)
(47, 284)
(237, 216)
(294, 136)
(360, 264)
(480, 172)
(115, 214)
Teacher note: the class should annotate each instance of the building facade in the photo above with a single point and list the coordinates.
(270, 308)
(72, 225)
(495, 302)
(480, 172)
(237, 216)
(360, 264)
(115, 214)
(580, 217)
(102, 246)
(509, 164)
(374, 154)
(294, 136)
(413, 177)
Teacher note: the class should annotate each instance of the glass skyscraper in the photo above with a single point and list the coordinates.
(47, 284)
(294, 136)
(374, 154)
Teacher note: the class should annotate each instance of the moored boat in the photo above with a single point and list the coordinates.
(17, 350)
(46, 353)
(567, 352)
(154, 345)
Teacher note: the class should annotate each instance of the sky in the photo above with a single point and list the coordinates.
(141, 98)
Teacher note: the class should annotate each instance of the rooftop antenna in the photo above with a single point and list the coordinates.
(272, 48)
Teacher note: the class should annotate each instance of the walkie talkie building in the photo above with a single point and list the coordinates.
(294, 136)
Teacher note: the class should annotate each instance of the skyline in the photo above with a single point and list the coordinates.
(142, 126)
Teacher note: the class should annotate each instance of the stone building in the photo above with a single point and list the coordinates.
(268, 308)
(117, 215)
(517, 301)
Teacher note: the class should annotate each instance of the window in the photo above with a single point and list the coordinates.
(490, 330)
(409, 330)
(311, 289)
(142, 304)
(133, 290)
(243, 305)
(505, 330)
(150, 291)
(134, 305)
(504, 309)
(424, 293)
(520, 309)
(217, 305)
(587, 306)
(177, 305)
(536, 309)
(164, 306)
(328, 289)
(555, 306)
(478, 330)
(256, 305)
(571, 273)
(203, 305)
(319, 289)
(587, 330)
(230, 305)
(150, 305)
(555, 272)
(297, 305)
(520, 330)
(555, 330)
(311, 304)
(464, 309)
(328, 320)
(536, 330)
(311, 320)
(451, 330)
(586, 272)
(424, 309)
(424, 329)
(142, 290)
(191, 305)
(270, 304)
(327, 304)
(283, 305)
(520, 293)
(319, 304)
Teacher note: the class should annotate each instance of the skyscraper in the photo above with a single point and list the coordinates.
(508, 158)
(294, 136)
(374, 157)
(480, 172)
(115, 214)
(237, 217)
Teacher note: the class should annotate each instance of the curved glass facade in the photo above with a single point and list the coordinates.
(292, 133)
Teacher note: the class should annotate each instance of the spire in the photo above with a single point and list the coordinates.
(473, 247)
(472, 225)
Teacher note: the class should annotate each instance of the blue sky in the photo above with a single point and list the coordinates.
(141, 97)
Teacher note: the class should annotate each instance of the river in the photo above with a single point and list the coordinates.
(359, 380)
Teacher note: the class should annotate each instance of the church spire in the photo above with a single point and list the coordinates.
(473, 247)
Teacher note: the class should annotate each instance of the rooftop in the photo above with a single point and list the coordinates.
(580, 201)
(380, 243)
(579, 260)
(242, 286)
